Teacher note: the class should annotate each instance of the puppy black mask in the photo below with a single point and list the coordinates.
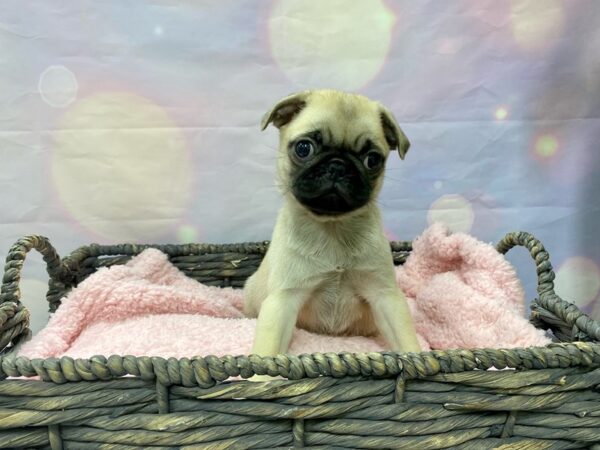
(331, 179)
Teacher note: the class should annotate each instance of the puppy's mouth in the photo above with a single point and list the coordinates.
(332, 188)
(332, 202)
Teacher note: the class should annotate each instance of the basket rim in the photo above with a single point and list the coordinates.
(206, 371)
(549, 308)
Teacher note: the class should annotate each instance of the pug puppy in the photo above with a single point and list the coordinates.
(329, 267)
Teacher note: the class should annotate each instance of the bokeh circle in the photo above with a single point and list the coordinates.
(578, 280)
(333, 43)
(535, 23)
(452, 210)
(121, 167)
(58, 86)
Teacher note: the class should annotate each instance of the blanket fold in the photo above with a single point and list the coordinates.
(462, 294)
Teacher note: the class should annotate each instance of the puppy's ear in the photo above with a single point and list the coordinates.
(394, 135)
(285, 110)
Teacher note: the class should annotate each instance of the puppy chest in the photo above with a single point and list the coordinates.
(336, 308)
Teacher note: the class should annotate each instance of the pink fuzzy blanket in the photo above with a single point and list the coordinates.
(462, 293)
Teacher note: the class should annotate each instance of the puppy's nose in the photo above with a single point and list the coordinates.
(336, 168)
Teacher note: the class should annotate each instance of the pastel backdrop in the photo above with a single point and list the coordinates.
(137, 121)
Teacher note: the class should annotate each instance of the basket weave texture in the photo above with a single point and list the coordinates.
(429, 400)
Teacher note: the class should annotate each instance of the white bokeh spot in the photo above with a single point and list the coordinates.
(535, 23)
(501, 113)
(187, 234)
(122, 167)
(332, 43)
(546, 146)
(58, 86)
(452, 210)
(578, 280)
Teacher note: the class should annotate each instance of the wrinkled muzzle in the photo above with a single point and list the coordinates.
(333, 185)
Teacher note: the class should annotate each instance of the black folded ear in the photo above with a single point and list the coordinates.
(285, 110)
(394, 135)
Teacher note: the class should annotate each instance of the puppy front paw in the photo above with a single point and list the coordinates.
(414, 348)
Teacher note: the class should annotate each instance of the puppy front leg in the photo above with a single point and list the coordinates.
(393, 318)
(275, 324)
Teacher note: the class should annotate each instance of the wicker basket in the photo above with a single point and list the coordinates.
(431, 400)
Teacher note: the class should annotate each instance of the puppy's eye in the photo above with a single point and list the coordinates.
(304, 149)
(373, 160)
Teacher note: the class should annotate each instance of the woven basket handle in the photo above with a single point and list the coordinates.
(549, 311)
(538, 253)
(14, 317)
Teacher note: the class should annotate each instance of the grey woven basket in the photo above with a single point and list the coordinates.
(430, 400)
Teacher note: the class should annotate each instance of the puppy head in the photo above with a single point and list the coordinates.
(333, 149)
